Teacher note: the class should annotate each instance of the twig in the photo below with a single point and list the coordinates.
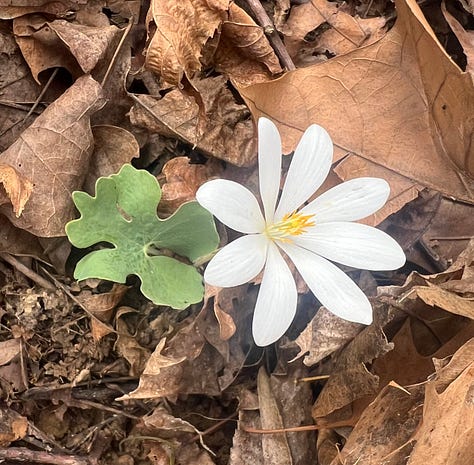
(297, 429)
(22, 454)
(272, 34)
(27, 271)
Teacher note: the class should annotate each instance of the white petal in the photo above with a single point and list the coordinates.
(238, 262)
(309, 168)
(276, 301)
(352, 200)
(333, 288)
(353, 244)
(269, 165)
(232, 204)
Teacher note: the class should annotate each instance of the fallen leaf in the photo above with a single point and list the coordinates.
(17, 188)
(9, 349)
(385, 428)
(182, 180)
(17, 241)
(13, 426)
(244, 53)
(179, 33)
(54, 154)
(276, 449)
(228, 135)
(344, 33)
(393, 102)
(442, 434)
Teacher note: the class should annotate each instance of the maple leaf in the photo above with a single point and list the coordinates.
(123, 213)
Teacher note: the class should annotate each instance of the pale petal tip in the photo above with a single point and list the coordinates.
(264, 336)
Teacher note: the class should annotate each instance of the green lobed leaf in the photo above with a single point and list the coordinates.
(123, 214)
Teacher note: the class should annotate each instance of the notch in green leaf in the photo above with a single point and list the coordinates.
(123, 214)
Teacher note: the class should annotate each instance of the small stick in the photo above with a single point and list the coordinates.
(22, 454)
(272, 34)
(27, 271)
(297, 429)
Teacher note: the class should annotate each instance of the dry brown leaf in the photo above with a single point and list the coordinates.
(60, 43)
(466, 38)
(394, 102)
(16, 187)
(181, 30)
(448, 421)
(54, 8)
(346, 32)
(184, 365)
(385, 428)
(325, 334)
(9, 349)
(351, 379)
(41, 47)
(224, 132)
(54, 154)
(182, 180)
(128, 346)
(113, 147)
(13, 426)
(244, 53)
(276, 450)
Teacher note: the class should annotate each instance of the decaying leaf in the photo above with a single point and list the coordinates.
(244, 53)
(53, 153)
(344, 34)
(180, 31)
(13, 426)
(17, 188)
(228, 134)
(183, 180)
(394, 102)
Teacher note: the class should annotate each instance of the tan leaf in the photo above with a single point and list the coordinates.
(17, 187)
(244, 53)
(275, 447)
(394, 102)
(54, 154)
(345, 34)
(9, 349)
(53, 8)
(113, 147)
(448, 422)
(60, 43)
(16, 241)
(13, 426)
(181, 29)
(183, 180)
(228, 134)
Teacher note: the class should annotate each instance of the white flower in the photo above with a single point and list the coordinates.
(310, 237)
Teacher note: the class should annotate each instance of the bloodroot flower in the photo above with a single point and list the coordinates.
(312, 236)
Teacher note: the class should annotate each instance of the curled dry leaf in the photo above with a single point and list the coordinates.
(13, 426)
(180, 32)
(54, 154)
(244, 53)
(228, 134)
(346, 32)
(182, 180)
(394, 102)
(76, 47)
(17, 188)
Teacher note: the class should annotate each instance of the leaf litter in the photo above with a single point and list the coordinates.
(91, 372)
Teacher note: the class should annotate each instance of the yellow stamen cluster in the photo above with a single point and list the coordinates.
(292, 224)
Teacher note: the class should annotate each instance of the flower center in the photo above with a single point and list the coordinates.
(292, 224)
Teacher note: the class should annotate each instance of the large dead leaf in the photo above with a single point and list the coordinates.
(54, 154)
(181, 29)
(401, 103)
